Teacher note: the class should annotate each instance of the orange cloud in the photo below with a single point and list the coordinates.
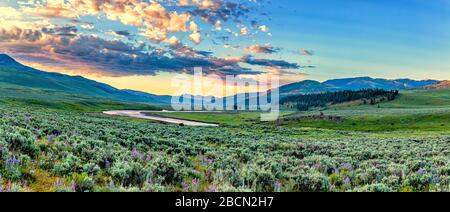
(257, 49)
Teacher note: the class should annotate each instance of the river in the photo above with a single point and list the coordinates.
(142, 115)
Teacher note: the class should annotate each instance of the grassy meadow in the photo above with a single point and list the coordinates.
(403, 145)
(427, 111)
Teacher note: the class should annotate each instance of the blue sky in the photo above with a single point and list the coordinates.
(150, 41)
(380, 38)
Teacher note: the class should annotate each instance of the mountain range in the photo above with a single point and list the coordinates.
(15, 76)
(367, 83)
(353, 84)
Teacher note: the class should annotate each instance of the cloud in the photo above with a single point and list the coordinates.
(87, 26)
(10, 13)
(281, 64)
(257, 49)
(264, 28)
(72, 46)
(118, 58)
(17, 34)
(244, 31)
(62, 31)
(120, 33)
(51, 9)
(109, 57)
(155, 19)
(306, 52)
(195, 37)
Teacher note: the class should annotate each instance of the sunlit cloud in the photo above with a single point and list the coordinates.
(266, 49)
(124, 38)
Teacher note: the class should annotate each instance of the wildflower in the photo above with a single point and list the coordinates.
(13, 161)
(437, 179)
(347, 180)
(347, 166)
(185, 186)
(207, 161)
(210, 161)
(58, 183)
(336, 170)
(73, 186)
(195, 183)
(107, 163)
(421, 172)
(211, 189)
(111, 184)
(208, 174)
(149, 157)
(277, 186)
(52, 137)
(135, 153)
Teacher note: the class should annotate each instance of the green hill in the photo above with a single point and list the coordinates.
(413, 110)
(422, 98)
(306, 87)
(19, 81)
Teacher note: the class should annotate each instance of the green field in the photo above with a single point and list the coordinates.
(397, 146)
(225, 118)
(412, 111)
(422, 98)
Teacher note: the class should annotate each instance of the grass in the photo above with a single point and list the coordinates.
(43, 182)
(425, 111)
(425, 122)
(62, 101)
(421, 98)
(419, 110)
(378, 141)
(226, 118)
(79, 105)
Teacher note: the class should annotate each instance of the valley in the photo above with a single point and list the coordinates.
(57, 139)
(46, 149)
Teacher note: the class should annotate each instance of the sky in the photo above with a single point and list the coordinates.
(144, 44)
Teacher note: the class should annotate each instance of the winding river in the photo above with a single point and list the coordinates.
(142, 115)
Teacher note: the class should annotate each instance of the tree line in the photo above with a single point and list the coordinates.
(308, 101)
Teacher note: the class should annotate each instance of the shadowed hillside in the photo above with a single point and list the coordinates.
(17, 77)
(441, 85)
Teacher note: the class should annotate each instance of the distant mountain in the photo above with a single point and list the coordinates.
(310, 86)
(14, 75)
(307, 86)
(150, 97)
(417, 84)
(439, 86)
(371, 83)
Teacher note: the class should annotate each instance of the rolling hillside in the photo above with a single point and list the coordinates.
(17, 77)
(439, 86)
(307, 86)
(421, 98)
(17, 80)
(352, 84)
(371, 83)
